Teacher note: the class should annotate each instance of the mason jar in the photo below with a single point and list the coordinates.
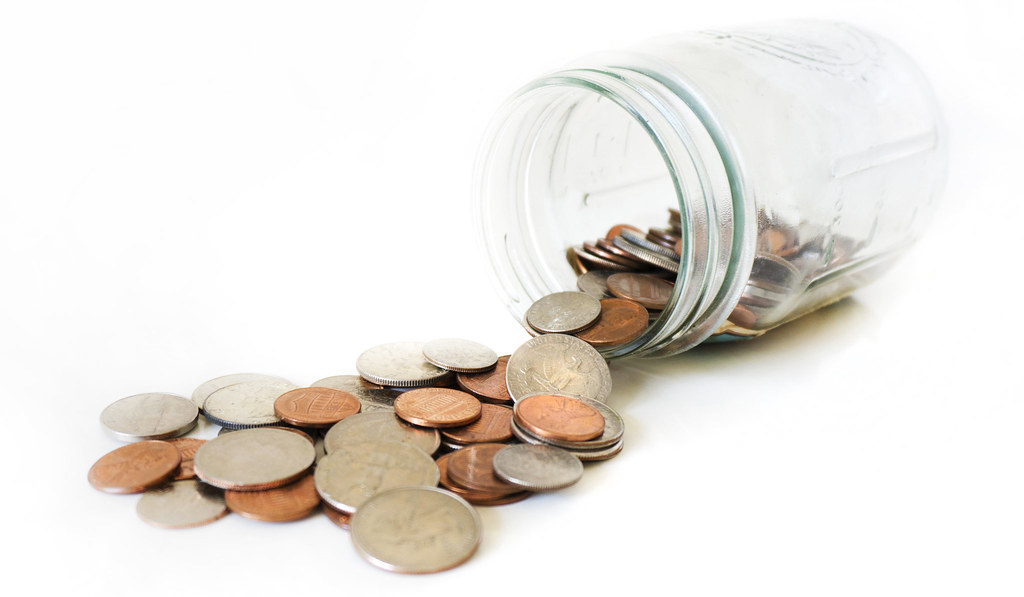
(799, 161)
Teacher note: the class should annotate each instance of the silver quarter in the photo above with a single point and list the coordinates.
(584, 455)
(647, 256)
(247, 404)
(558, 364)
(254, 459)
(400, 365)
(614, 428)
(462, 356)
(149, 416)
(182, 505)
(380, 426)
(200, 394)
(416, 530)
(563, 312)
(355, 472)
(372, 399)
(537, 468)
(595, 283)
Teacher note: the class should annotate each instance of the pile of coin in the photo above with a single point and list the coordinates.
(366, 449)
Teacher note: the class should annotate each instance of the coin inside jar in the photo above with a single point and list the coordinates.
(315, 407)
(620, 321)
(650, 291)
(559, 417)
(437, 407)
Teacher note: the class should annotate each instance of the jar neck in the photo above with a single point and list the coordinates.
(713, 221)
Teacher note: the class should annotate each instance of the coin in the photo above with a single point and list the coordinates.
(471, 467)
(354, 472)
(614, 429)
(437, 407)
(456, 354)
(563, 312)
(585, 455)
(254, 459)
(246, 404)
(315, 407)
(371, 396)
(342, 519)
(620, 322)
(650, 257)
(537, 468)
(596, 262)
(593, 283)
(617, 230)
(552, 416)
(609, 246)
(380, 426)
(187, 447)
(640, 239)
(489, 386)
(280, 504)
(149, 416)
(574, 261)
(597, 251)
(201, 393)
(181, 505)
(493, 426)
(400, 365)
(650, 291)
(558, 364)
(135, 467)
(416, 530)
(479, 498)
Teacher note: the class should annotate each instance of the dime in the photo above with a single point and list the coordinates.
(200, 394)
(593, 283)
(353, 473)
(537, 468)
(620, 322)
(649, 291)
(558, 364)
(614, 429)
(471, 467)
(254, 459)
(135, 467)
(489, 386)
(371, 396)
(400, 365)
(380, 426)
(650, 257)
(640, 239)
(456, 354)
(246, 404)
(493, 426)
(609, 246)
(479, 498)
(187, 447)
(280, 504)
(416, 530)
(437, 407)
(315, 407)
(563, 312)
(149, 416)
(342, 519)
(181, 505)
(557, 417)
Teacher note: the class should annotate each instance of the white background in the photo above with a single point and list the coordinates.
(192, 189)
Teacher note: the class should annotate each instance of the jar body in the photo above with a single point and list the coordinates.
(802, 157)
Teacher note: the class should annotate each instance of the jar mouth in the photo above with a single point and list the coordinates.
(573, 154)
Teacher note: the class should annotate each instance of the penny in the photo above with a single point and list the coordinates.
(380, 426)
(135, 467)
(315, 407)
(620, 322)
(584, 454)
(608, 255)
(181, 505)
(614, 429)
(280, 504)
(563, 312)
(187, 447)
(609, 246)
(617, 230)
(562, 418)
(493, 426)
(245, 405)
(371, 396)
(254, 459)
(667, 237)
(537, 468)
(558, 364)
(574, 261)
(149, 416)
(341, 519)
(678, 248)
(463, 356)
(471, 467)
(400, 365)
(437, 407)
(353, 473)
(479, 498)
(488, 386)
(591, 260)
(649, 291)
(416, 530)
(201, 393)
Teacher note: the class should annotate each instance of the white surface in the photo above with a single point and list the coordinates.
(194, 189)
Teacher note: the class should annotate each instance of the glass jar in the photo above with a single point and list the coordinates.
(803, 158)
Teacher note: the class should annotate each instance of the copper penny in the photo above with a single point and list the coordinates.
(315, 407)
(479, 498)
(649, 291)
(678, 248)
(595, 262)
(617, 230)
(599, 252)
(559, 417)
(668, 244)
(610, 247)
(574, 261)
(342, 519)
(620, 321)
(187, 447)
(471, 468)
(666, 235)
(494, 425)
(135, 467)
(437, 407)
(490, 385)
(281, 504)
